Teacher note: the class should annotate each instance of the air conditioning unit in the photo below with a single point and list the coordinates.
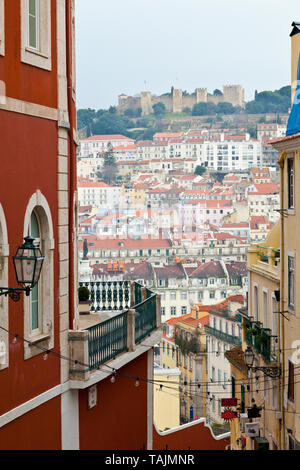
(252, 429)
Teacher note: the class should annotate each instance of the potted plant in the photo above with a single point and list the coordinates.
(84, 302)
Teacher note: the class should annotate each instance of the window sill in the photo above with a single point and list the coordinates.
(31, 50)
(39, 339)
(36, 58)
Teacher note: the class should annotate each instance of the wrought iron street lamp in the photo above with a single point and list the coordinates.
(28, 262)
(271, 371)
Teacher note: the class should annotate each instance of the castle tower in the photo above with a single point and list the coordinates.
(201, 95)
(234, 94)
(146, 103)
(177, 101)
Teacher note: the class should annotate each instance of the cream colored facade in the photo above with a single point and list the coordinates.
(166, 398)
(134, 197)
(264, 281)
(289, 163)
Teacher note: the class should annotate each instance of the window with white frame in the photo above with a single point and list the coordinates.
(35, 310)
(39, 306)
(291, 282)
(173, 295)
(265, 309)
(36, 33)
(173, 310)
(255, 301)
(290, 178)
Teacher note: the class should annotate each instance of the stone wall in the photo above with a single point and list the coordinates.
(175, 102)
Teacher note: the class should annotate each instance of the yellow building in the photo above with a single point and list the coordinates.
(261, 335)
(239, 376)
(183, 345)
(166, 398)
(272, 323)
(134, 196)
(289, 162)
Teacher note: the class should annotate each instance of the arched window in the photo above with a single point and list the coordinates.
(39, 306)
(36, 293)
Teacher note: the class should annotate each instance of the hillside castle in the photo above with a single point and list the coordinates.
(176, 101)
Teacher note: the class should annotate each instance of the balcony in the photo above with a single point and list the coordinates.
(265, 344)
(123, 314)
(222, 336)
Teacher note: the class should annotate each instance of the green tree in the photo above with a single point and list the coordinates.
(218, 176)
(109, 170)
(200, 170)
(225, 108)
(217, 92)
(133, 112)
(159, 109)
(204, 109)
(85, 117)
(110, 123)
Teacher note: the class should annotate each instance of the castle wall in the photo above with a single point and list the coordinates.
(189, 101)
(166, 100)
(175, 103)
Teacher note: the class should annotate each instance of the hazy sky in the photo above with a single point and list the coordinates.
(182, 43)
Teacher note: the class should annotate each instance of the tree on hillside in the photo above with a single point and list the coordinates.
(109, 170)
(133, 112)
(218, 175)
(159, 109)
(85, 118)
(204, 109)
(217, 92)
(225, 108)
(200, 170)
(110, 123)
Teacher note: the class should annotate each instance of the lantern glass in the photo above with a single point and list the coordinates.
(28, 262)
(249, 357)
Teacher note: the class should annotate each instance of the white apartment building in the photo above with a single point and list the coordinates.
(100, 195)
(97, 144)
(181, 287)
(264, 200)
(232, 153)
(89, 167)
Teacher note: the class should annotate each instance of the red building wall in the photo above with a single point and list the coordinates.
(24, 82)
(38, 429)
(28, 163)
(119, 421)
(196, 437)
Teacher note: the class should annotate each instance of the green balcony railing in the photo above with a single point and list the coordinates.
(145, 318)
(108, 295)
(107, 340)
(261, 340)
(222, 336)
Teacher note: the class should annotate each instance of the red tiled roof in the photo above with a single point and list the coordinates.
(108, 137)
(92, 184)
(108, 243)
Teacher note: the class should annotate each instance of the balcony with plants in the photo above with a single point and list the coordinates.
(261, 339)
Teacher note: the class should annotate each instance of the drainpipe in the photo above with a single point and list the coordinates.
(281, 317)
(72, 168)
